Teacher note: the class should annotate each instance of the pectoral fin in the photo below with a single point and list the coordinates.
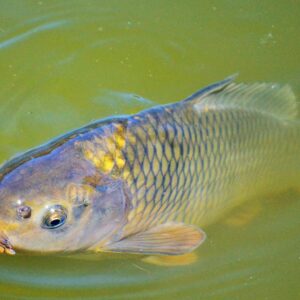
(167, 239)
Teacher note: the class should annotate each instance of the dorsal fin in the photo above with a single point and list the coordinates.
(212, 88)
(275, 99)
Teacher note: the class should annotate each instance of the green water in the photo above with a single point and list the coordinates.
(66, 63)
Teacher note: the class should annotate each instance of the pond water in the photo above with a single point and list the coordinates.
(66, 63)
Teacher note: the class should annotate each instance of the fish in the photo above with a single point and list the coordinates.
(149, 183)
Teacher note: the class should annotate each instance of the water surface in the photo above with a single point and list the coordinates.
(66, 63)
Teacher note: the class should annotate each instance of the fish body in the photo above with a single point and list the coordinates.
(148, 183)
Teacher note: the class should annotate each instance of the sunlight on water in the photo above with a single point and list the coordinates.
(67, 63)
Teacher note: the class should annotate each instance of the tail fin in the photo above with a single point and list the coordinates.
(295, 167)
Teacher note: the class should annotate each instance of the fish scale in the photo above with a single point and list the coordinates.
(214, 147)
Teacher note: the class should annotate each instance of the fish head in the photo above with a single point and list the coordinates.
(59, 202)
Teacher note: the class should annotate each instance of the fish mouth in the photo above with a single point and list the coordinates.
(5, 245)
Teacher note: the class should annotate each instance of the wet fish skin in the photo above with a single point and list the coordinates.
(145, 183)
(190, 165)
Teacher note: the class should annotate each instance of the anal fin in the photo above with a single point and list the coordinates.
(244, 215)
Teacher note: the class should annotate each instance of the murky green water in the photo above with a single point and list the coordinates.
(65, 63)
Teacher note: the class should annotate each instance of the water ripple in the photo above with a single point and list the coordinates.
(23, 36)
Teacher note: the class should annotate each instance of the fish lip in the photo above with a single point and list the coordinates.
(6, 245)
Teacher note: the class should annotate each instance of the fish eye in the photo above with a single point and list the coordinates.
(55, 217)
(24, 212)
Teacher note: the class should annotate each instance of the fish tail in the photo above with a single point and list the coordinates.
(294, 171)
(297, 162)
(285, 168)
